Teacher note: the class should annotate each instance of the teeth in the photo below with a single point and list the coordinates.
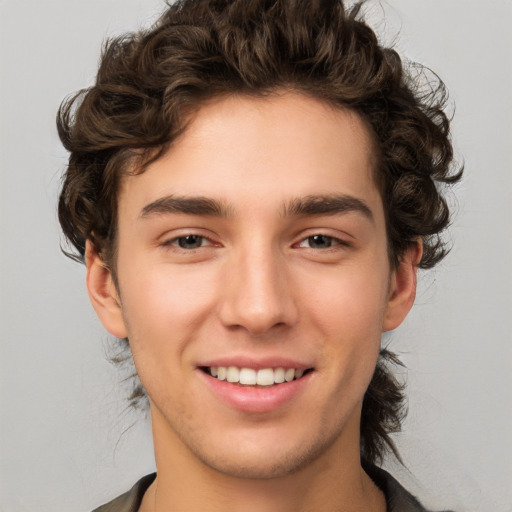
(233, 374)
(251, 377)
(279, 375)
(265, 377)
(248, 376)
(289, 374)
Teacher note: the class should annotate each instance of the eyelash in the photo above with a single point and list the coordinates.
(175, 242)
(331, 242)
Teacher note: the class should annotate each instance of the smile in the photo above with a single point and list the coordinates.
(253, 377)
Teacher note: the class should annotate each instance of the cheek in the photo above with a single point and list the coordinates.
(347, 311)
(163, 311)
(348, 300)
(163, 295)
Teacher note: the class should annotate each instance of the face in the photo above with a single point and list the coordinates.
(254, 284)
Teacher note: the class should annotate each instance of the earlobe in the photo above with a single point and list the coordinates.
(103, 294)
(402, 290)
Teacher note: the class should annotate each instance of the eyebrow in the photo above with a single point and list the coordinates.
(302, 206)
(327, 205)
(188, 205)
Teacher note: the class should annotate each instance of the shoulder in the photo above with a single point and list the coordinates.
(398, 499)
(131, 500)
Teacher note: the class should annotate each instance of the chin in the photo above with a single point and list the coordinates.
(258, 470)
(266, 462)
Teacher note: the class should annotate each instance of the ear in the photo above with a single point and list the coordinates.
(402, 289)
(103, 293)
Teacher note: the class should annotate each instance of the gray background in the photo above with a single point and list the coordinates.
(66, 439)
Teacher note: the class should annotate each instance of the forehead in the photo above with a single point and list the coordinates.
(242, 148)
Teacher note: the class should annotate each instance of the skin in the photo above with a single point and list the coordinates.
(257, 285)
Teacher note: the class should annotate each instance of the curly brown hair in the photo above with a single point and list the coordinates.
(150, 81)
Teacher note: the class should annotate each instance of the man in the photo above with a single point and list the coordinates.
(252, 186)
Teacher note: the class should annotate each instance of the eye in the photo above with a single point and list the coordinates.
(189, 241)
(320, 242)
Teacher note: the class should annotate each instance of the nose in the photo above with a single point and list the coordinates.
(257, 295)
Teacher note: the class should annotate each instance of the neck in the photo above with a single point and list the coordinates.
(333, 481)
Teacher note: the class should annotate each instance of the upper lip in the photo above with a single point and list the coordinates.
(256, 363)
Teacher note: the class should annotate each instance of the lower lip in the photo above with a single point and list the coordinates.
(256, 399)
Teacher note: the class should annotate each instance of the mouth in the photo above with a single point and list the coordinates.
(250, 377)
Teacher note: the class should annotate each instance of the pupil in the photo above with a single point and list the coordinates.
(320, 241)
(190, 241)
